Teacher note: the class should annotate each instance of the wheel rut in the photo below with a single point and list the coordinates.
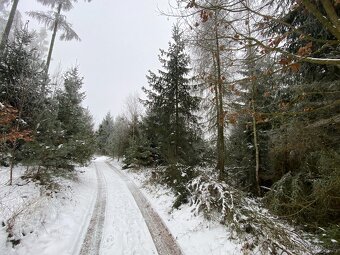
(93, 237)
(164, 241)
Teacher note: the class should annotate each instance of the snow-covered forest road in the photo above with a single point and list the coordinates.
(122, 221)
(100, 209)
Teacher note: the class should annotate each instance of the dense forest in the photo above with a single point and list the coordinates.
(245, 108)
(247, 99)
(43, 122)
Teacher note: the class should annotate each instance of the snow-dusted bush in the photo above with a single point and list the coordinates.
(209, 195)
(246, 217)
(176, 176)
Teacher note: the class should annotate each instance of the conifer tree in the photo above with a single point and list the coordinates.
(306, 148)
(21, 80)
(76, 124)
(120, 137)
(105, 135)
(171, 121)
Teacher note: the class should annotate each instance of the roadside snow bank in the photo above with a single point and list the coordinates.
(195, 234)
(45, 222)
(249, 229)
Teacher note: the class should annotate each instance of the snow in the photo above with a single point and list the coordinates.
(3, 236)
(21, 121)
(198, 236)
(195, 234)
(125, 231)
(50, 224)
(57, 224)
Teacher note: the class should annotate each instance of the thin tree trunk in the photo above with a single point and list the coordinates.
(177, 120)
(217, 107)
(250, 63)
(133, 129)
(55, 29)
(15, 145)
(9, 24)
(256, 146)
(11, 164)
(220, 121)
(11, 170)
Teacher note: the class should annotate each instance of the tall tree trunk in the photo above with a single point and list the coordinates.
(251, 70)
(217, 106)
(256, 145)
(55, 29)
(13, 153)
(9, 24)
(220, 120)
(177, 124)
(11, 166)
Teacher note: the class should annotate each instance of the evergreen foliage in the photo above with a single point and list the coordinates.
(120, 137)
(105, 135)
(22, 77)
(77, 128)
(139, 153)
(272, 95)
(278, 66)
(304, 145)
(171, 123)
(21, 82)
(48, 132)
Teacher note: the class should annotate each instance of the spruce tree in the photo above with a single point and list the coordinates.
(105, 135)
(21, 80)
(171, 122)
(76, 123)
(120, 137)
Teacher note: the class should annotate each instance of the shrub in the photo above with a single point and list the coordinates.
(311, 195)
(177, 177)
(260, 231)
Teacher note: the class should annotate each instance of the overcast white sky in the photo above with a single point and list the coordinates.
(120, 42)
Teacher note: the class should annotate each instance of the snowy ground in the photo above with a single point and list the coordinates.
(96, 214)
(125, 231)
(46, 224)
(103, 212)
(195, 234)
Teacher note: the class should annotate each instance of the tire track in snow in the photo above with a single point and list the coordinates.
(164, 241)
(91, 244)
